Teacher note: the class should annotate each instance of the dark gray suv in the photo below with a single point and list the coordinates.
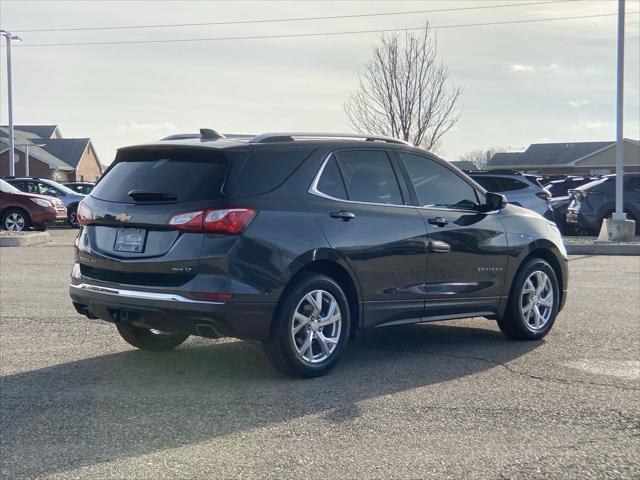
(299, 240)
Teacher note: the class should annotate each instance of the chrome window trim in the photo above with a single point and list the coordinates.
(313, 190)
(166, 297)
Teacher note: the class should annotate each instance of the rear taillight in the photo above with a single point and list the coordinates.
(214, 220)
(84, 214)
(544, 195)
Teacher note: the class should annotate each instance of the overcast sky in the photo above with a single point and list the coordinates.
(522, 83)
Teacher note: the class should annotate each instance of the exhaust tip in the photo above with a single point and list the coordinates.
(206, 330)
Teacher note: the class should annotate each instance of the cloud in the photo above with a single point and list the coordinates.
(590, 126)
(523, 68)
(578, 103)
(147, 128)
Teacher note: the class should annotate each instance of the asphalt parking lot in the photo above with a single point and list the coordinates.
(448, 400)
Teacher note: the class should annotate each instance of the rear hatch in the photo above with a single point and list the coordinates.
(580, 195)
(127, 237)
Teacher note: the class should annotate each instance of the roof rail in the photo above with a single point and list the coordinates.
(291, 136)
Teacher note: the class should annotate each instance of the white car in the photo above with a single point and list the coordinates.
(522, 190)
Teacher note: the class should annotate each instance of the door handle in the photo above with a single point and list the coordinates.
(439, 221)
(438, 246)
(342, 215)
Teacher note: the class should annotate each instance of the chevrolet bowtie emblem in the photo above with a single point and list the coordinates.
(123, 217)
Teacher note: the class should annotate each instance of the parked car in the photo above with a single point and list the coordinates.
(560, 188)
(19, 211)
(300, 240)
(560, 201)
(80, 187)
(521, 190)
(45, 186)
(593, 202)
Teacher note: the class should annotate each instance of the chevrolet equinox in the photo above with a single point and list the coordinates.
(299, 240)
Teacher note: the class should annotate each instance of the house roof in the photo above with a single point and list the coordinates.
(34, 151)
(60, 153)
(70, 150)
(41, 131)
(463, 164)
(548, 154)
(505, 158)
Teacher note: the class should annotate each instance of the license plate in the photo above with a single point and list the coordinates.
(130, 240)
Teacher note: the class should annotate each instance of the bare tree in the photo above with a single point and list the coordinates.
(480, 157)
(403, 91)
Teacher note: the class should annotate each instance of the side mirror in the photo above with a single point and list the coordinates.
(51, 193)
(494, 201)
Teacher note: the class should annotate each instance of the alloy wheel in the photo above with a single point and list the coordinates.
(316, 326)
(14, 222)
(536, 300)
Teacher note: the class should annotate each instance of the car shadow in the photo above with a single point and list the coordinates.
(131, 403)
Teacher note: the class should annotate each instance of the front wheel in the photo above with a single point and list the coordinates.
(15, 220)
(533, 304)
(150, 339)
(310, 328)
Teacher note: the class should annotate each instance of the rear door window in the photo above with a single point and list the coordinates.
(487, 183)
(330, 182)
(632, 185)
(185, 175)
(510, 184)
(266, 170)
(369, 176)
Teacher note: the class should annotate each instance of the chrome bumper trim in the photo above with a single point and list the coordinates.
(165, 297)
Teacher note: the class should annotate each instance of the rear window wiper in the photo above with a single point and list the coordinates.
(144, 196)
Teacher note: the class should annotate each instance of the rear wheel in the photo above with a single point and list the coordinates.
(149, 339)
(72, 218)
(533, 304)
(310, 329)
(15, 220)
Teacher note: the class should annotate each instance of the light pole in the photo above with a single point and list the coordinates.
(619, 214)
(619, 228)
(26, 154)
(9, 38)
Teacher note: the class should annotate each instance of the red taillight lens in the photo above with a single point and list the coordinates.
(214, 220)
(228, 220)
(84, 214)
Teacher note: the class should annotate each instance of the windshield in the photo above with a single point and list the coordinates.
(7, 187)
(60, 187)
(163, 175)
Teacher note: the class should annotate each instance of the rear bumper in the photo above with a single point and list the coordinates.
(172, 312)
(574, 217)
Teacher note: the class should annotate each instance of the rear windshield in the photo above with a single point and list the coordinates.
(182, 175)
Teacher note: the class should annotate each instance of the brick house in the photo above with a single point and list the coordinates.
(50, 154)
(578, 158)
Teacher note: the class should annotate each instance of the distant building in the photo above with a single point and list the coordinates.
(464, 164)
(50, 154)
(578, 158)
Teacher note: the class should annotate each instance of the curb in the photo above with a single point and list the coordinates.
(603, 249)
(24, 240)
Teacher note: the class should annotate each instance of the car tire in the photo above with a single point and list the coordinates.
(148, 339)
(533, 302)
(310, 328)
(72, 218)
(16, 220)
